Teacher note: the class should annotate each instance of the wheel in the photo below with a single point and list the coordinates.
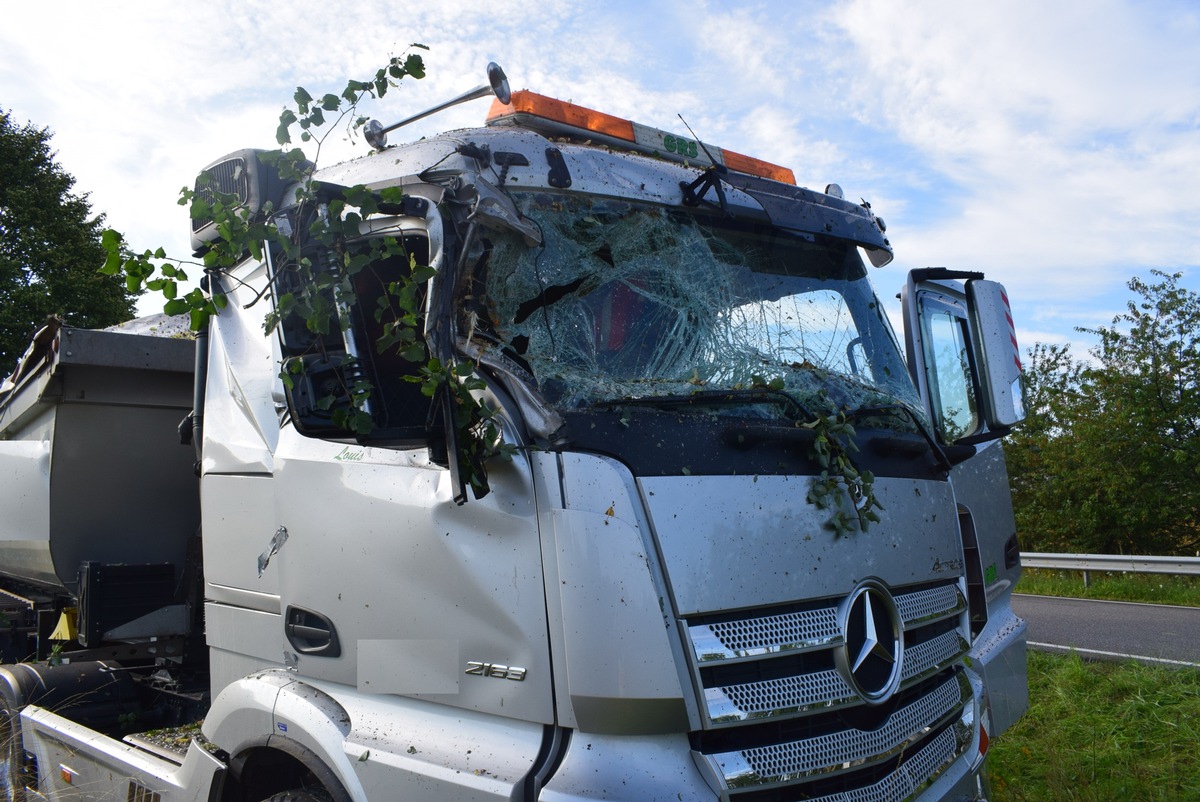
(298, 795)
(12, 769)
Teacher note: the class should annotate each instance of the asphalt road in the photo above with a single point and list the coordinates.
(1118, 630)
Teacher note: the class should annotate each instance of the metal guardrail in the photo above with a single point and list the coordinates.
(1113, 562)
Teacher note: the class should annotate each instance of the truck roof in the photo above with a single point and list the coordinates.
(539, 143)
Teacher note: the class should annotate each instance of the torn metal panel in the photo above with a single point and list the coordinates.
(264, 559)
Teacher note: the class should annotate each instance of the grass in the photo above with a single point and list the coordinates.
(1151, 588)
(1097, 732)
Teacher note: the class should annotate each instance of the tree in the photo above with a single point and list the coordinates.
(50, 249)
(1109, 458)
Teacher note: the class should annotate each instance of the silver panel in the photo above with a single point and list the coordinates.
(731, 542)
(98, 399)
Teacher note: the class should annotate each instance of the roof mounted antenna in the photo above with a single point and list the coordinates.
(693, 193)
(716, 164)
(376, 133)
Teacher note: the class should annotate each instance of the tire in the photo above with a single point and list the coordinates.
(12, 770)
(298, 795)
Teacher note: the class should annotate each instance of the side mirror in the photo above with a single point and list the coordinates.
(963, 354)
(999, 355)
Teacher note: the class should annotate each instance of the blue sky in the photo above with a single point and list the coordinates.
(1054, 146)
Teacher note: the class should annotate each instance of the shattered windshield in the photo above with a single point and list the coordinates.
(625, 301)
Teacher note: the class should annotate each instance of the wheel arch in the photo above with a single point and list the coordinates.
(276, 765)
(281, 733)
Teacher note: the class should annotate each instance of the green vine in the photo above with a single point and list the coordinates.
(841, 487)
(318, 241)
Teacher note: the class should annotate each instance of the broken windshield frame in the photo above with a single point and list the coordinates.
(629, 301)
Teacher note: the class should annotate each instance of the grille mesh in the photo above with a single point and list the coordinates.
(776, 695)
(228, 177)
(797, 758)
(775, 631)
(932, 653)
(824, 688)
(928, 603)
(908, 778)
(789, 660)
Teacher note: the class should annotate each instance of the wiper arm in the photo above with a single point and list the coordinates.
(693, 193)
(903, 411)
(712, 397)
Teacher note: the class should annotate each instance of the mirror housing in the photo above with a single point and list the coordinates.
(1002, 380)
(963, 354)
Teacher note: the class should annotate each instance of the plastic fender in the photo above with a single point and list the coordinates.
(274, 709)
(242, 711)
(311, 718)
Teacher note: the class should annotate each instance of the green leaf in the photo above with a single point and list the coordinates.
(302, 98)
(414, 65)
(176, 306)
(112, 263)
(286, 118)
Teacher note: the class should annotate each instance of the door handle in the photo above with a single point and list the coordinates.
(311, 633)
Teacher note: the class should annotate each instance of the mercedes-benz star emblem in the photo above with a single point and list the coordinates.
(872, 642)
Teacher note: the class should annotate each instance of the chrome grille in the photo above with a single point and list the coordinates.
(758, 639)
(923, 658)
(777, 697)
(774, 665)
(909, 778)
(930, 604)
(770, 634)
(798, 759)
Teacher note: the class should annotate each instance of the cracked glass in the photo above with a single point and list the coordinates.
(626, 301)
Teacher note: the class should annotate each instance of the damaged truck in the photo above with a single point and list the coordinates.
(715, 532)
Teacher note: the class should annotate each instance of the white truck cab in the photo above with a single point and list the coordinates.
(660, 593)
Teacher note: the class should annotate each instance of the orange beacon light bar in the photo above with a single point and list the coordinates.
(547, 115)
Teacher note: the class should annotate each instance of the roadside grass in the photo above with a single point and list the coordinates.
(1099, 731)
(1150, 588)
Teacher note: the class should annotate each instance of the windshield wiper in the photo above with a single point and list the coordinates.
(701, 398)
(944, 458)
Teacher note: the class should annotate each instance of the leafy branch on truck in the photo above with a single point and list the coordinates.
(322, 221)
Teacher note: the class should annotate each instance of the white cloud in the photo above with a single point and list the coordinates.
(1055, 146)
(1069, 129)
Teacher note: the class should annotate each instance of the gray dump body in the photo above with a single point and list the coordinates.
(91, 467)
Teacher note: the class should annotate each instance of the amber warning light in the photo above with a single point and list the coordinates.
(545, 114)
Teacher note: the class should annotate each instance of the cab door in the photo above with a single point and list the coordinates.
(964, 358)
